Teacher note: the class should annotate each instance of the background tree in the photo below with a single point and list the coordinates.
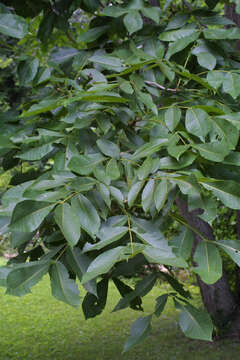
(124, 120)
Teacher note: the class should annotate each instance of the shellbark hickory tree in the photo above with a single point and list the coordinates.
(122, 118)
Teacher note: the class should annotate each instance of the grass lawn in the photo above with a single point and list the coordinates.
(38, 327)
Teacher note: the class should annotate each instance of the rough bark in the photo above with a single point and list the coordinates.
(218, 298)
(230, 13)
(154, 2)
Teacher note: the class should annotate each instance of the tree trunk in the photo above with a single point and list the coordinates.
(230, 13)
(217, 298)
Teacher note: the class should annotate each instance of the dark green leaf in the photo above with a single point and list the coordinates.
(108, 148)
(163, 256)
(231, 84)
(222, 34)
(232, 248)
(197, 122)
(103, 263)
(152, 13)
(195, 323)
(37, 153)
(211, 3)
(183, 243)
(147, 195)
(92, 34)
(108, 61)
(226, 131)
(68, 222)
(92, 304)
(133, 21)
(149, 148)
(181, 44)
(177, 150)
(160, 194)
(209, 262)
(142, 288)
(4, 271)
(140, 329)
(177, 21)
(175, 35)
(27, 71)
(124, 289)
(87, 214)
(116, 194)
(145, 169)
(114, 11)
(79, 263)
(13, 25)
(215, 78)
(42, 107)
(28, 215)
(232, 159)
(107, 236)
(215, 151)
(133, 192)
(21, 279)
(62, 55)
(206, 60)
(176, 285)
(84, 164)
(172, 117)
(19, 238)
(112, 170)
(63, 288)
(169, 163)
(225, 190)
(147, 100)
(160, 305)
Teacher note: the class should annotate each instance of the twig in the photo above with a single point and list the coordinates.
(152, 83)
(188, 6)
(71, 38)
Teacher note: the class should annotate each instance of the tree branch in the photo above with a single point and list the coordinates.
(152, 83)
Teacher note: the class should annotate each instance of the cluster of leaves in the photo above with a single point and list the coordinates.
(116, 120)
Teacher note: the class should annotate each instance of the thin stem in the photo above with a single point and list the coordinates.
(129, 229)
(61, 254)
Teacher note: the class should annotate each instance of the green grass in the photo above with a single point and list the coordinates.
(38, 327)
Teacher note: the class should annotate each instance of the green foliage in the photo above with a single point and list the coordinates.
(111, 121)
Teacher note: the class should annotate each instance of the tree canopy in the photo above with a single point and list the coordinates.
(118, 119)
